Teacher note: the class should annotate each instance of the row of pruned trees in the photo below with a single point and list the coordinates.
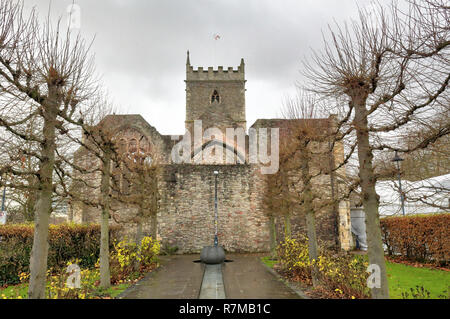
(101, 171)
(311, 175)
(386, 77)
(48, 95)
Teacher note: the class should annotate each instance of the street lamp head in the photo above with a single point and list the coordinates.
(397, 159)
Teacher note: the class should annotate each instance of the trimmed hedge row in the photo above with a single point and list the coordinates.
(424, 238)
(66, 242)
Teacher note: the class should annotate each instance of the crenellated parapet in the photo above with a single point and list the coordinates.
(210, 74)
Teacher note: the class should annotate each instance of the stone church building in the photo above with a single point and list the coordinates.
(185, 205)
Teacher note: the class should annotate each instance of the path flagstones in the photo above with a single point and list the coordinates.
(247, 278)
(179, 277)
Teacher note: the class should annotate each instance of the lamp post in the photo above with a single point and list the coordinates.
(4, 194)
(216, 239)
(397, 159)
(3, 198)
(213, 254)
(2, 212)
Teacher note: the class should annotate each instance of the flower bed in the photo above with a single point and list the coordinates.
(341, 275)
(129, 262)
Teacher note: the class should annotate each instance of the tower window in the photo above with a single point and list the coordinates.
(215, 97)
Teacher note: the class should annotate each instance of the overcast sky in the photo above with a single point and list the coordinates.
(140, 48)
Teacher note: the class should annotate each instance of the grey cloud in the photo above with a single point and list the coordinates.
(140, 47)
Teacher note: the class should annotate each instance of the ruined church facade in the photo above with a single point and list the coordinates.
(185, 206)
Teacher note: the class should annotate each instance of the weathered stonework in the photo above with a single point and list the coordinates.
(185, 216)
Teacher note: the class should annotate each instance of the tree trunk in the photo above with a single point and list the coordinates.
(154, 219)
(138, 238)
(334, 205)
(369, 196)
(286, 205)
(154, 210)
(287, 225)
(312, 245)
(273, 237)
(39, 252)
(105, 276)
(138, 231)
(310, 216)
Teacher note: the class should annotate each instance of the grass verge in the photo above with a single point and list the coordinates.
(409, 280)
(403, 278)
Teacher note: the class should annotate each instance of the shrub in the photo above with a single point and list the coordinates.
(294, 259)
(57, 288)
(344, 275)
(423, 238)
(128, 257)
(123, 258)
(66, 242)
(341, 275)
(148, 251)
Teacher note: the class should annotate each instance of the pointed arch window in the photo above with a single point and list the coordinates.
(215, 97)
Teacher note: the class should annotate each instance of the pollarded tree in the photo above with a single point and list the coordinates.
(391, 70)
(305, 152)
(276, 204)
(127, 179)
(44, 74)
(136, 185)
(97, 155)
(277, 200)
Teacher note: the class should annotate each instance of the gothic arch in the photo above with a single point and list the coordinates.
(226, 147)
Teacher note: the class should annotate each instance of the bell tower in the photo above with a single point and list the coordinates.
(217, 97)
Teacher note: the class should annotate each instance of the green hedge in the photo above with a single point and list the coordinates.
(66, 242)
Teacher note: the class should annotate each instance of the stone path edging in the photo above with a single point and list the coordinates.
(292, 286)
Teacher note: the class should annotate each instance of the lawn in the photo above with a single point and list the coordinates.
(402, 278)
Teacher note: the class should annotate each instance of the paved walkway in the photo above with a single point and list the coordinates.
(247, 278)
(179, 277)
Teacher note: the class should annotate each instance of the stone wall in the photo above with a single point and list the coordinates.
(186, 216)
